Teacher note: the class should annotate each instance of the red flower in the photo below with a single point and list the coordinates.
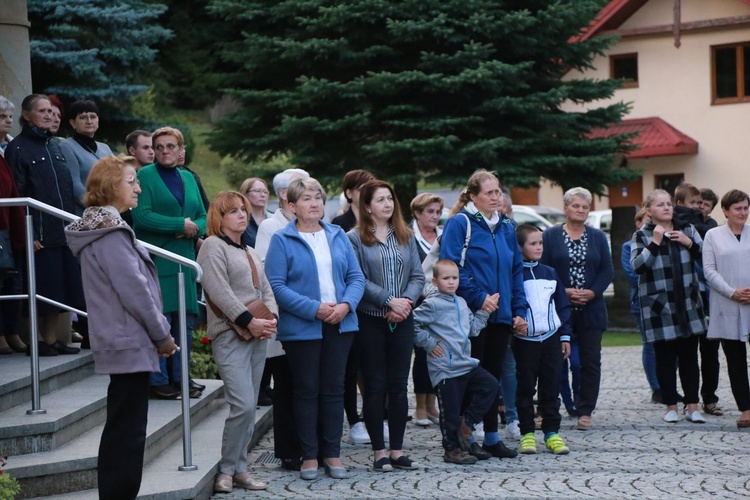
(205, 341)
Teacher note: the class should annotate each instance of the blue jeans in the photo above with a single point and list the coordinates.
(508, 385)
(171, 367)
(648, 357)
(574, 362)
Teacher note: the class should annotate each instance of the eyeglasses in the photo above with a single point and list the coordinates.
(133, 182)
(258, 191)
(162, 147)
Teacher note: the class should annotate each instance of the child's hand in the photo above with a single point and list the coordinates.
(437, 352)
(566, 350)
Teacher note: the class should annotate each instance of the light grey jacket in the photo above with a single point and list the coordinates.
(80, 162)
(725, 266)
(412, 277)
(447, 319)
(122, 294)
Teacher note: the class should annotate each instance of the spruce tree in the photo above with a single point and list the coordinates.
(95, 49)
(420, 88)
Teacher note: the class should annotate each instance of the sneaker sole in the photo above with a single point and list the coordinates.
(561, 452)
(527, 452)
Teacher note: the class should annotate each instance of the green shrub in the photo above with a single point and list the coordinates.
(237, 170)
(202, 363)
(9, 486)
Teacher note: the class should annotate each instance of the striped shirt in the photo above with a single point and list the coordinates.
(393, 267)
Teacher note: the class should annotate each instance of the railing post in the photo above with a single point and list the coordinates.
(36, 404)
(187, 447)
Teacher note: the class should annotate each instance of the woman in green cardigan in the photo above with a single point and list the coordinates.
(171, 215)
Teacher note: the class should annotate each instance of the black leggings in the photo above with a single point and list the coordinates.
(489, 348)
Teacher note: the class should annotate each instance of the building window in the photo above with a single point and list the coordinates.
(730, 73)
(625, 67)
(669, 182)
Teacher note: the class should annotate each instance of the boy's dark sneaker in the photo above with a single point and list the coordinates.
(477, 451)
(464, 434)
(499, 450)
(459, 456)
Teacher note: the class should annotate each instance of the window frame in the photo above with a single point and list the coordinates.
(743, 94)
(629, 84)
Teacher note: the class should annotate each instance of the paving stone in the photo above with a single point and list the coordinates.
(630, 453)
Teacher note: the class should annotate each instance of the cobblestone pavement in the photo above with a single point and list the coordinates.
(630, 453)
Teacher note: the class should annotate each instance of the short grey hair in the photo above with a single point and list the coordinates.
(6, 105)
(576, 191)
(281, 180)
(298, 187)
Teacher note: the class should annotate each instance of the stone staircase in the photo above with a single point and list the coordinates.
(54, 454)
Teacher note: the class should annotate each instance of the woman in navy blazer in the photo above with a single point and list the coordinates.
(580, 255)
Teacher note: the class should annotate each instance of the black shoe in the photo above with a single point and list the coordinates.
(382, 465)
(405, 463)
(164, 391)
(264, 399)
(64, 349)
(477, 451)
(499, 450)
(196, 386)
(656, 397)
(44, 349)
(293, 464)
(193, 392)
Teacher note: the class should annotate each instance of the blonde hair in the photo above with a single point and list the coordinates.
(223, 202)
(169, 131)
(422, 201)
(653, 194)
(473, 186)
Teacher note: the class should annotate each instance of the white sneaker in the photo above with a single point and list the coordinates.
(695, 417)
(671, 417)
(386, 431)
(358, 434)
(513, 431)
(479, 431)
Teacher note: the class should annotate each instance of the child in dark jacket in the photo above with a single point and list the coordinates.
(443, 324)
(540, 352)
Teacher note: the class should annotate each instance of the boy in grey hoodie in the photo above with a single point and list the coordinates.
(443, 324)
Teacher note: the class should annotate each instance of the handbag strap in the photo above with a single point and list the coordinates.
(256, 284)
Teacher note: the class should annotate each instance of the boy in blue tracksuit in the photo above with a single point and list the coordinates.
(443, 324)
(540, 352)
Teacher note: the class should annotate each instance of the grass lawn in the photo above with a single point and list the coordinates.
(205, 162)
(621, 338)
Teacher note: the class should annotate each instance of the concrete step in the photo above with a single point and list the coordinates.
(55, 373)
(70, 412)
(161, 478)
(72, 466)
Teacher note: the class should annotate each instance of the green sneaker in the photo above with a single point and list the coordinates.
(556, 445)
(528, 444)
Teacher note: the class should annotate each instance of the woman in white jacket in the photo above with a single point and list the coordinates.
(725, 251)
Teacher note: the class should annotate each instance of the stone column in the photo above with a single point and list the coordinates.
(15, 56)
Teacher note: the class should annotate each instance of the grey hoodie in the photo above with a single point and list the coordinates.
(122, 292)
(447, 319)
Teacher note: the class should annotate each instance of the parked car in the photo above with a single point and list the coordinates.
(554, 215)
(523, 214)
(600, 219)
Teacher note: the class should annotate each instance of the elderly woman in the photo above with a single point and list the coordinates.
(490, 269)
(81, 150)
(665, 253)
(387, 251)
(233, 276)
(580, 255)
(6, 123)
(426, 208)
(318, 284)
(256, 191)
(41, 172)
(128, 332)
(725, 252)
(171, 216)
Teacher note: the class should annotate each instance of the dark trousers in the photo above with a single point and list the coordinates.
(285, 439)
(11, 283)
(479, 388)
(709, 349)
(489, 348)
(538, 362)
(385, 359)
(318, 368)
(590, 354)
(120, 465)
(685, 351)
(570, 386)
(419, 374)
(736, 353)
(350, 388)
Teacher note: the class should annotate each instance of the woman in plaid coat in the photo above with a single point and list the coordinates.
(664, 254)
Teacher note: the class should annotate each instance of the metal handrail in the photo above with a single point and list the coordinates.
(33, 297)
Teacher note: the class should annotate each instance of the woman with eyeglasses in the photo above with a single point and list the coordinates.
(170, 215)
(82, 151)
(255, 190)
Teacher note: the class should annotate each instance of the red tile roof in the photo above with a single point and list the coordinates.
(655, 137)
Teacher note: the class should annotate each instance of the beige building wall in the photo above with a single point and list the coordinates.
(15, 59)
(675, 85)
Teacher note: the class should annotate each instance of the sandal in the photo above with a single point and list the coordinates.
(712, 409)
(584, 423)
